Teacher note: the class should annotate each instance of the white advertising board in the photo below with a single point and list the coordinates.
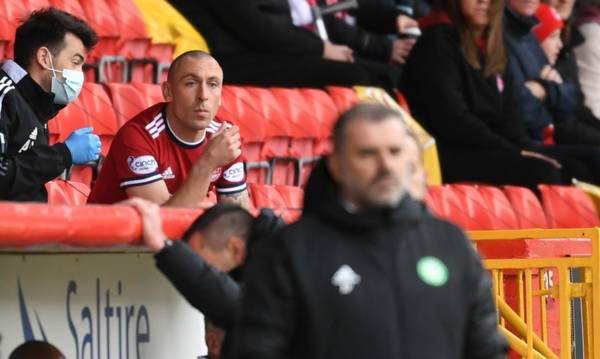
(96, 306)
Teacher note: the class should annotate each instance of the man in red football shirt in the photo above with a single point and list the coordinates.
(173, 153)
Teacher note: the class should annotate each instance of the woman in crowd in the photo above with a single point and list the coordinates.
(464, 98)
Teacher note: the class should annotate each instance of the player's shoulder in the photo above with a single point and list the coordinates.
(149, 123)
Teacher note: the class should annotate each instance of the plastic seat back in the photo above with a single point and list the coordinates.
(266, 196)
(446, 204)
(294, 198)
(100, 112)
(127, 101)
(501, 211)
(568, 207)
(474, 206)
(236, 109)
(527, 207)
(152, 93)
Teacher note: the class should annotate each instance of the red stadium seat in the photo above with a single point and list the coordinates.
(152, 93)
(127, 101)
(501, 211)
(324, 110)
(67, 192)
(446, 204)
(100, 112)
(13, 13)
(104, 58)
(527, 207)
(278, 135)
(475, 207)
(568, 207)
(32, 5)
(293, 198)
(235, 108)
(343, 97)
(71, 6)
(305, 129)
(134, 40)
(68, 120)
(266, 196)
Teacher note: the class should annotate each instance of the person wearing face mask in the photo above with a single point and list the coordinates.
(45, 76)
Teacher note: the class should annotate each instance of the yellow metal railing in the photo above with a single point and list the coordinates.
(521, 336)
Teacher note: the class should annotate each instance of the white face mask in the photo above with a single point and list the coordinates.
(66, 91)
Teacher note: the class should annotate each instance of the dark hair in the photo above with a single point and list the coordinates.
(197, 54)
(495, 57)
(48, 27)
(220, 222)
(35, 349)
(365, 111)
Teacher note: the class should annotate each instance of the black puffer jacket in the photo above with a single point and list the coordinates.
(347, 285)
(27, 162)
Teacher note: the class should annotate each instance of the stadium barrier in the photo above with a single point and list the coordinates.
(528, 329)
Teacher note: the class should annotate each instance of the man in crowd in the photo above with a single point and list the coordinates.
(173, 153)
(367, 272)
(199, 265)
(46, 75)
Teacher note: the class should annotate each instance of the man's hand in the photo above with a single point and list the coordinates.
(536, 89)
(401, 49)
(548, 73)
(83, 145)
(335, 52)
(542, 157)
(153, 235)
(403, 22)
(223, 147)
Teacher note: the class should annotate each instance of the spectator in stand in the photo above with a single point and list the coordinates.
(588, 53)
(545, 98)
(257, 43)
(466, 103)
(46, 75)
(558, 37)
(549, 99)
(173, 153)
(36, 350)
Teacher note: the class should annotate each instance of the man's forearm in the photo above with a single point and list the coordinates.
(193, 190)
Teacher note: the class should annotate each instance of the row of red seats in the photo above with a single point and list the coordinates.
(481, 207)
(121, 29)
(284, 200)
(472, 207)
(283, 130)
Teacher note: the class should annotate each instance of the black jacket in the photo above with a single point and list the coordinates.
(265, 26)
(27, 161)
(564, 105)
(297, 303)
(212, 292)
(455, 102)
(586, 128)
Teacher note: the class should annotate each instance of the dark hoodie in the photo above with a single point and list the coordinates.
(345, 285)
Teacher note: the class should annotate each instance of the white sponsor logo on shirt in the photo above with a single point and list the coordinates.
(234, 173)
(142, 165)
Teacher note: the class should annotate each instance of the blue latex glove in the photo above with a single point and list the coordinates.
(83, 145)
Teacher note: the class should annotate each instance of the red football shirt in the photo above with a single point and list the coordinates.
(146, 150)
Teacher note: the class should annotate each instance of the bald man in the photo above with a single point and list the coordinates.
(175, 152)
(36, 350)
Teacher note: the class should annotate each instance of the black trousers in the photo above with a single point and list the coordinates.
(306, 71)
(579, 161)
